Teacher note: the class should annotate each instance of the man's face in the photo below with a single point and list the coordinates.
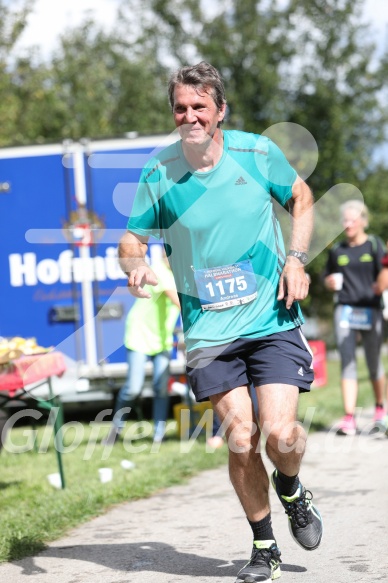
(196, 115)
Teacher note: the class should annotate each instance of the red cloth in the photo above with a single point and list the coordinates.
(31, 369)
(384, 261)
(318, 348)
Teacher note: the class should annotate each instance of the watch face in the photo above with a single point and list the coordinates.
(303, 258)
(299, 255)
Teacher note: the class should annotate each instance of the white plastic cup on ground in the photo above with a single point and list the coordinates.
(55, 480)
(106, 475)
(338, 280)
(127, 465)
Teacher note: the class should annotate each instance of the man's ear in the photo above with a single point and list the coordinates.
(222, 112)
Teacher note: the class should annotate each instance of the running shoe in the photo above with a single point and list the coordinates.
(264, 564)
(379, 418)
(305, 522)
(347, 426)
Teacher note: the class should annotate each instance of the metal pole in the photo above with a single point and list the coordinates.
(86, 284)
(57, 432)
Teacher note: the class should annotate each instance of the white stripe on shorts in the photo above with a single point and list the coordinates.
(307, 346)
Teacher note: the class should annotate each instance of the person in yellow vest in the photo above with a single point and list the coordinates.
(149, 333)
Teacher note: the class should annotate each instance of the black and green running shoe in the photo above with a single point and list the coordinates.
(305, 522)
(264, 564)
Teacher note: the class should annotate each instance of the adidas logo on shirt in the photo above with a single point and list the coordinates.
(300, 372)
(240, 181)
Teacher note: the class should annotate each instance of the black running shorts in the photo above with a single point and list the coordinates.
(284, 357)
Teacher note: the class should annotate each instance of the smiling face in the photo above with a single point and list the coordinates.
(196, 115)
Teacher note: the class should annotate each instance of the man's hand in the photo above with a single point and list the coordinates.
(293, 283)
(132, 252)
(138, 278)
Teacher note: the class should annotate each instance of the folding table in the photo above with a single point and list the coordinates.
(22, 376)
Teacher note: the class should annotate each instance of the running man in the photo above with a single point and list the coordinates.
(210, 196)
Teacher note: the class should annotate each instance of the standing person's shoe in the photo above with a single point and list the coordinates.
(347, 426)
(159, 431)
(264, 564)
(379, 418)
(305, 522)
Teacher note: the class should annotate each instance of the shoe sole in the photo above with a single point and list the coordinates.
(300, 544)
(380, 426)
(250, 579)
(349, 432)
(290, 526)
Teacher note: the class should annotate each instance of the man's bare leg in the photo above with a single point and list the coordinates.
(285, 438)
(285, 446)
(246, 469)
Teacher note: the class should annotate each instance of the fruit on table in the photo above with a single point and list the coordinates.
(11, 348)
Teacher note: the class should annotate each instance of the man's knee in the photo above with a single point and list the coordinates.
(242, 436)
(285, 439)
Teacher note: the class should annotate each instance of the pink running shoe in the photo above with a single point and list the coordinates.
(347, 426)
(378, 418)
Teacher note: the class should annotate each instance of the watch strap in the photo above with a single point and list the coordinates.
(301, 255)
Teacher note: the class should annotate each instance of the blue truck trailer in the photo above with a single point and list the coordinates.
(63, 208)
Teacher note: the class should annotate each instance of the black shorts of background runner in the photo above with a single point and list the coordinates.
(281, 358)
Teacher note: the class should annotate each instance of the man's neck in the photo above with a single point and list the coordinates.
(205, 156)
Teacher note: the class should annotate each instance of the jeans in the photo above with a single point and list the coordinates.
(134, 384)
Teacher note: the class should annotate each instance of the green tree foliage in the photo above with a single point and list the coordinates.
(92, 87)
(250, 45)
(247, 40)
(12, 22)
(35, 102)
(166, 29)
(335, 91)
(375, 191)
(103, 91)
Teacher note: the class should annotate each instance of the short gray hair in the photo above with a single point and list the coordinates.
(202, 76)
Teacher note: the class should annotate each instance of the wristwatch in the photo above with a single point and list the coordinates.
(303, 257)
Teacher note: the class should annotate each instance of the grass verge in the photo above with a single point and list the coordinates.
(33, 513)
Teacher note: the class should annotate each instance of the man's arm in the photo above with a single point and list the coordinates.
(132, 252)
(294, 284)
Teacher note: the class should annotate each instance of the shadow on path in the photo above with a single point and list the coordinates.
(145, 556)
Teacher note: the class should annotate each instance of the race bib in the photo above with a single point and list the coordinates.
(226, 286)
(356, 318)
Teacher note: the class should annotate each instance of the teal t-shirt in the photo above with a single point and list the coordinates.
(218, 218)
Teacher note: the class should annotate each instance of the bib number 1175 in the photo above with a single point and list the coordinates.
(227, 286)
